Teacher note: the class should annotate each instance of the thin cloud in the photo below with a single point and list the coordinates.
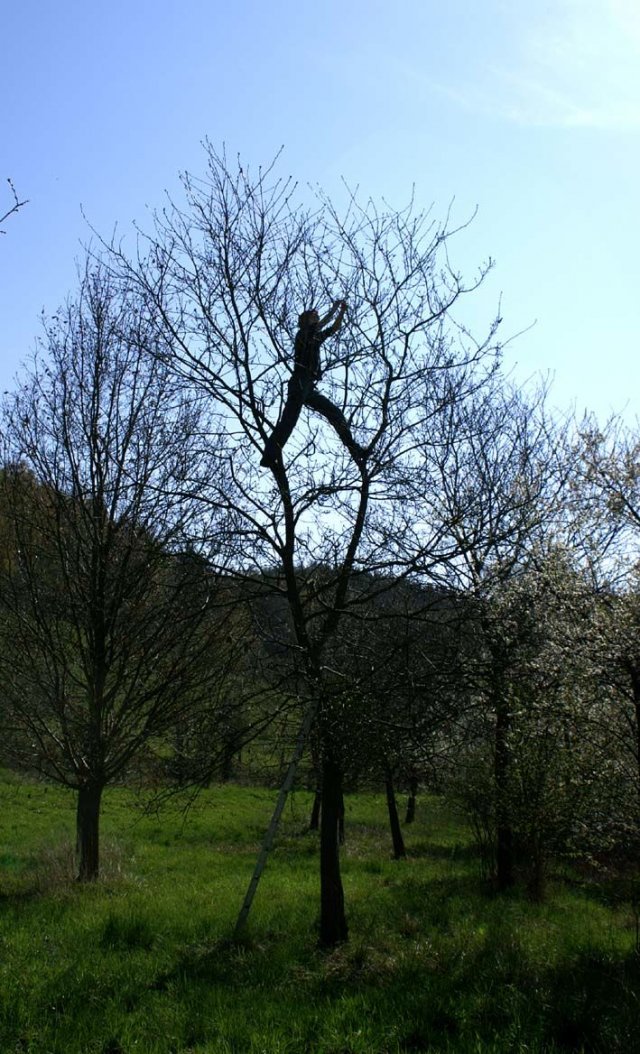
(576, 67)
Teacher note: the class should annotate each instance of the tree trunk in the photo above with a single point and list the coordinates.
(411, 800)
(504, 834)
(536, 884)
(314, 822)
(635, 681)
(504, 857)
(315, 815)
(88, 832)
(226, 769)
(399, 851)
(341, 819)
(333, 923)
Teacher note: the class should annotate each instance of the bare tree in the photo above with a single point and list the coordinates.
(227, 273)
(111, 630)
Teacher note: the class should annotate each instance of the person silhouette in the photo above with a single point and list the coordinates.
(302, 391)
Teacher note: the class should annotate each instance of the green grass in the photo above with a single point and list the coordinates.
(142, 962)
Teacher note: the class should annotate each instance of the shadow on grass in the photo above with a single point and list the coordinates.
(611, 891)
(22, 894)
(460, 852)
(491, 996)
(428, 987)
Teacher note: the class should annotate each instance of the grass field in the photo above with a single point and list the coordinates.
(141, 962)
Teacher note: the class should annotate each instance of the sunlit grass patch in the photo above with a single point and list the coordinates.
(143, 960)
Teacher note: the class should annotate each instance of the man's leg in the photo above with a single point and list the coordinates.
(337, 420)
(286, 424)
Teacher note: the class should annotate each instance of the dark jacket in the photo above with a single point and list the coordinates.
(307, 351)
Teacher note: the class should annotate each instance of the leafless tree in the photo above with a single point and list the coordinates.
(227, 272)
(111, 628)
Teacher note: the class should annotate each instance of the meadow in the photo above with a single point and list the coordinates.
(142, 962)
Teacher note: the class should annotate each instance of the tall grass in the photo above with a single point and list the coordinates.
(142, 961)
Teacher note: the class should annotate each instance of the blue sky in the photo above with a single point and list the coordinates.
(529, 111)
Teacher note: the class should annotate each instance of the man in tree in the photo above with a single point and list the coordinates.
(302, 391)
(218, 271)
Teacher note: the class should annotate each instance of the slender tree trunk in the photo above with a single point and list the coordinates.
(411, 800)
(635, 681)
(333, 923)
(537, 874)
(88, 832)
(504, 834)
(399, 851)
(226, 770)
(314, 822)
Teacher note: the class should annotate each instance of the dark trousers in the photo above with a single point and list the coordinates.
(301, 393)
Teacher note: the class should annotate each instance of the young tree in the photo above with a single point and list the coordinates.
(111, 633)
(490, 465)
(606, 510)
(557, 766)
(396, 693)
(227, 274)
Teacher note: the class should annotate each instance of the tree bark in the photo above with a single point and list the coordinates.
(88, 832)
(411, 800)
(341, 819)
(399, 851)
(333, 923)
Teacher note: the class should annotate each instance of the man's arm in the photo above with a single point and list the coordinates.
(340, 306)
